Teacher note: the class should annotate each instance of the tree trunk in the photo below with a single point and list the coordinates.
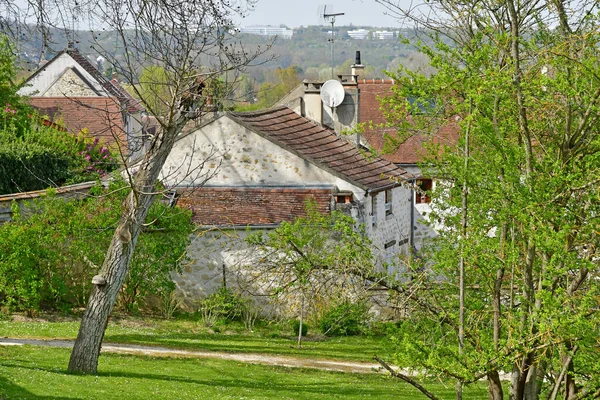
(570, 388)
(86, 350)
(301, 321)
(531, 389)
(495, 386)
(515, 379)
(461, 279)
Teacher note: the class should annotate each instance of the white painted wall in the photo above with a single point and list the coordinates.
(243, 158)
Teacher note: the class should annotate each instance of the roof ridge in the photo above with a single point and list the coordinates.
(113, 88)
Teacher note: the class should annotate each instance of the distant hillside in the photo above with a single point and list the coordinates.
(309, 49)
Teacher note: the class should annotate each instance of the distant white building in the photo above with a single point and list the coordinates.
(358, 34)
(268, 30)
(383, 35)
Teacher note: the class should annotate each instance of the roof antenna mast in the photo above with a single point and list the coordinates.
(329, 16)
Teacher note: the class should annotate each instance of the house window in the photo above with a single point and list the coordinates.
(388, 202)
(343, 198)
(423, 194)
(373, 209)
(389, 253)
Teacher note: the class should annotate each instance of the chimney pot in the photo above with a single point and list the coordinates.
(357, 60)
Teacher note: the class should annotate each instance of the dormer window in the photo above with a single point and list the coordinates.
(343, 197)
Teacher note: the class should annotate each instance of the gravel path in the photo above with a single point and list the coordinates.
(252, 358)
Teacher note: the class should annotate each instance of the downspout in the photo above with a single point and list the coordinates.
(412, 217)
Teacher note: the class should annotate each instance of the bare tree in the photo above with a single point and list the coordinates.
(191, 43)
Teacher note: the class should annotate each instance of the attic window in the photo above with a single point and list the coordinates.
(388, 202)
(422, 196)
(343, 197)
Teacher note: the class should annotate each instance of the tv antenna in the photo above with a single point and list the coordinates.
(329, 16)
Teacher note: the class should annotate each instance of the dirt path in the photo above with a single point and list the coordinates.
(252, 358)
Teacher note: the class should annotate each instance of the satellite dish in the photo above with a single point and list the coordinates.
(332, 93)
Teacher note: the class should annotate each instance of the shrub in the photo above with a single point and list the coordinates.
(224, 303)
(345, 319)
(47, 260)
(25, 167)
(295, 325)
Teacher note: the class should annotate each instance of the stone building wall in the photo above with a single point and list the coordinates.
(69, 84)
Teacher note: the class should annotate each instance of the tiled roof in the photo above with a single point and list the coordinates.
(412, 150)
(321, 147)
(250, 206)
(113, 87)
(100, 115)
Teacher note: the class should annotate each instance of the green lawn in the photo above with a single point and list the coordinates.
(191, 335)
(28, 372)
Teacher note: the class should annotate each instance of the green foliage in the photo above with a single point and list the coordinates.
(295, 327)
(13, 111)
(526, 164)
(313, 259)
(153, 89)
(48, 258)
(44, 157)
(223, 303)
(25, 167)
(284, 81)
(345, 319)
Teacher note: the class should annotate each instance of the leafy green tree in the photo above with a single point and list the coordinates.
(49, 254)
(510, 286)
(313, 255)
(154, 89)
(14, 112)
(284, 81)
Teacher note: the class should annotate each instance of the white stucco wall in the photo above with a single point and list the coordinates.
(242, 158)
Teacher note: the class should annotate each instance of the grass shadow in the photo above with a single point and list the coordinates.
(12, 391)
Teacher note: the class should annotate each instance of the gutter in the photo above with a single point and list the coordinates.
(234, 227)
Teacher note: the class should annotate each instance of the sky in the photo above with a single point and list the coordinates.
(295, 13)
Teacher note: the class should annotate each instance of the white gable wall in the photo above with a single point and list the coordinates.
(243, 158)
(50, 74)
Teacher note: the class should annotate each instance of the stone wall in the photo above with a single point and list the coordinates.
(69, 84)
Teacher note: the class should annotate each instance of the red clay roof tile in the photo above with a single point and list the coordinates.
(412, 150)
(251, 206)
(101, 116)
